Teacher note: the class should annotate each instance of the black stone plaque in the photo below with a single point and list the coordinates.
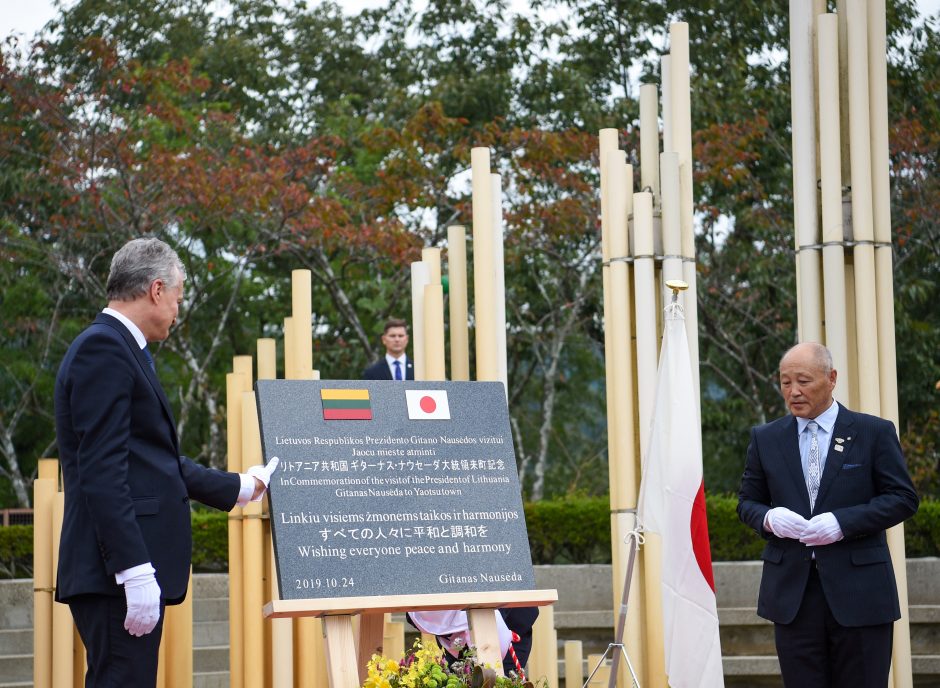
(392, 488)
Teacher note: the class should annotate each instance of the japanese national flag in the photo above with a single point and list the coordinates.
(672, 503)
(427, 404)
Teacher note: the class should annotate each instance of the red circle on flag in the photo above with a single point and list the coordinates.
(428, 405)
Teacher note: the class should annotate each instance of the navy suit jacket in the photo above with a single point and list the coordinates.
(127, 487)
(380, 370)
(867, 488)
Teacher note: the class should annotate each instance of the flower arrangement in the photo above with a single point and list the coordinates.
(425, 667)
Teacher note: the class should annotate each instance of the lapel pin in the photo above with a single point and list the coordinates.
(839, 440)
(839, 447)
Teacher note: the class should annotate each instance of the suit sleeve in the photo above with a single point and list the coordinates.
(101, 416)
(215, 488)
(893, 496)
(754, 499)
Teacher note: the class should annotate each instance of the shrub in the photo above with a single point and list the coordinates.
(210, 541)
(16, 552)
(572, 530)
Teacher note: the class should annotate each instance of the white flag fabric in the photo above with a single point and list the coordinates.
(672, 503)
(427, 404)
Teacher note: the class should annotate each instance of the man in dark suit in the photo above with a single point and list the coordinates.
(395, 365)
(126, 543)
(821, 486)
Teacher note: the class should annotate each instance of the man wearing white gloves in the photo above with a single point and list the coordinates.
(126, 543)
(822, 486)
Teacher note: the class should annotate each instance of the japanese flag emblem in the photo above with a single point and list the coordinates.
(427, 404)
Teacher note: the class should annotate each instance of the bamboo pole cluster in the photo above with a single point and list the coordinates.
(489, 291)
(842, 224)
(54, 633)
(489, 316)
(282, 653)
(647, 238)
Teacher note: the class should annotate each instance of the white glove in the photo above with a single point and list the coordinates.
(143, 604)
(823, 529)
(263, 475)
(785, 523)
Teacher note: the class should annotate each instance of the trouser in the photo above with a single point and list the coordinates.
(816, 652)
(116, 659)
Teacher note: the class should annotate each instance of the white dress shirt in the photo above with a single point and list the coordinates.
(826, 422)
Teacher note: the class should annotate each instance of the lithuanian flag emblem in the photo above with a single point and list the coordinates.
(346, 404)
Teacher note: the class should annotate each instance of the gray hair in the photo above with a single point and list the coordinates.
(137, 264)
(821, 355)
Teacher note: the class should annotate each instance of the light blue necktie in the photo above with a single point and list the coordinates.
(398, 370)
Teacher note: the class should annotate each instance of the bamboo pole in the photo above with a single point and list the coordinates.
(608, 143)
(499, 284)
(484, 312)
(803, 118)
(457, 296)
(433, 316)
(819, 7)
(649, 139)
(543, 660)
(253, 548)
(309, 666)
(235, 384)
(267, 359)
(434, 368)
(420, 278)
(63, 635)
(619, 521)
(302, 314)
(665, 71)
(279, 651)
(851, 332)
(276, 634)
(178, 639)
(841, 12)
(623, 494)
(902, 673)
(681, 126)
(574, 663)
(289, 357)
(827, 36)
(862, 229)
(432, 258)
(672, 234)
(432, 305)
(44, 491)
(646, 365)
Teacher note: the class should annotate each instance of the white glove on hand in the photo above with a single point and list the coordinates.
(143, 604)
(263, 475)
(823, 529)
(785, 523)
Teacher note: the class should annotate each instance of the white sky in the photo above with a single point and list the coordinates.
(28, 16)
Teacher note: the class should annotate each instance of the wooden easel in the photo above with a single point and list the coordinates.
(346, 658)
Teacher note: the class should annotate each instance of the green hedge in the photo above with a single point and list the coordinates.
(16, 552)
(573, 530)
